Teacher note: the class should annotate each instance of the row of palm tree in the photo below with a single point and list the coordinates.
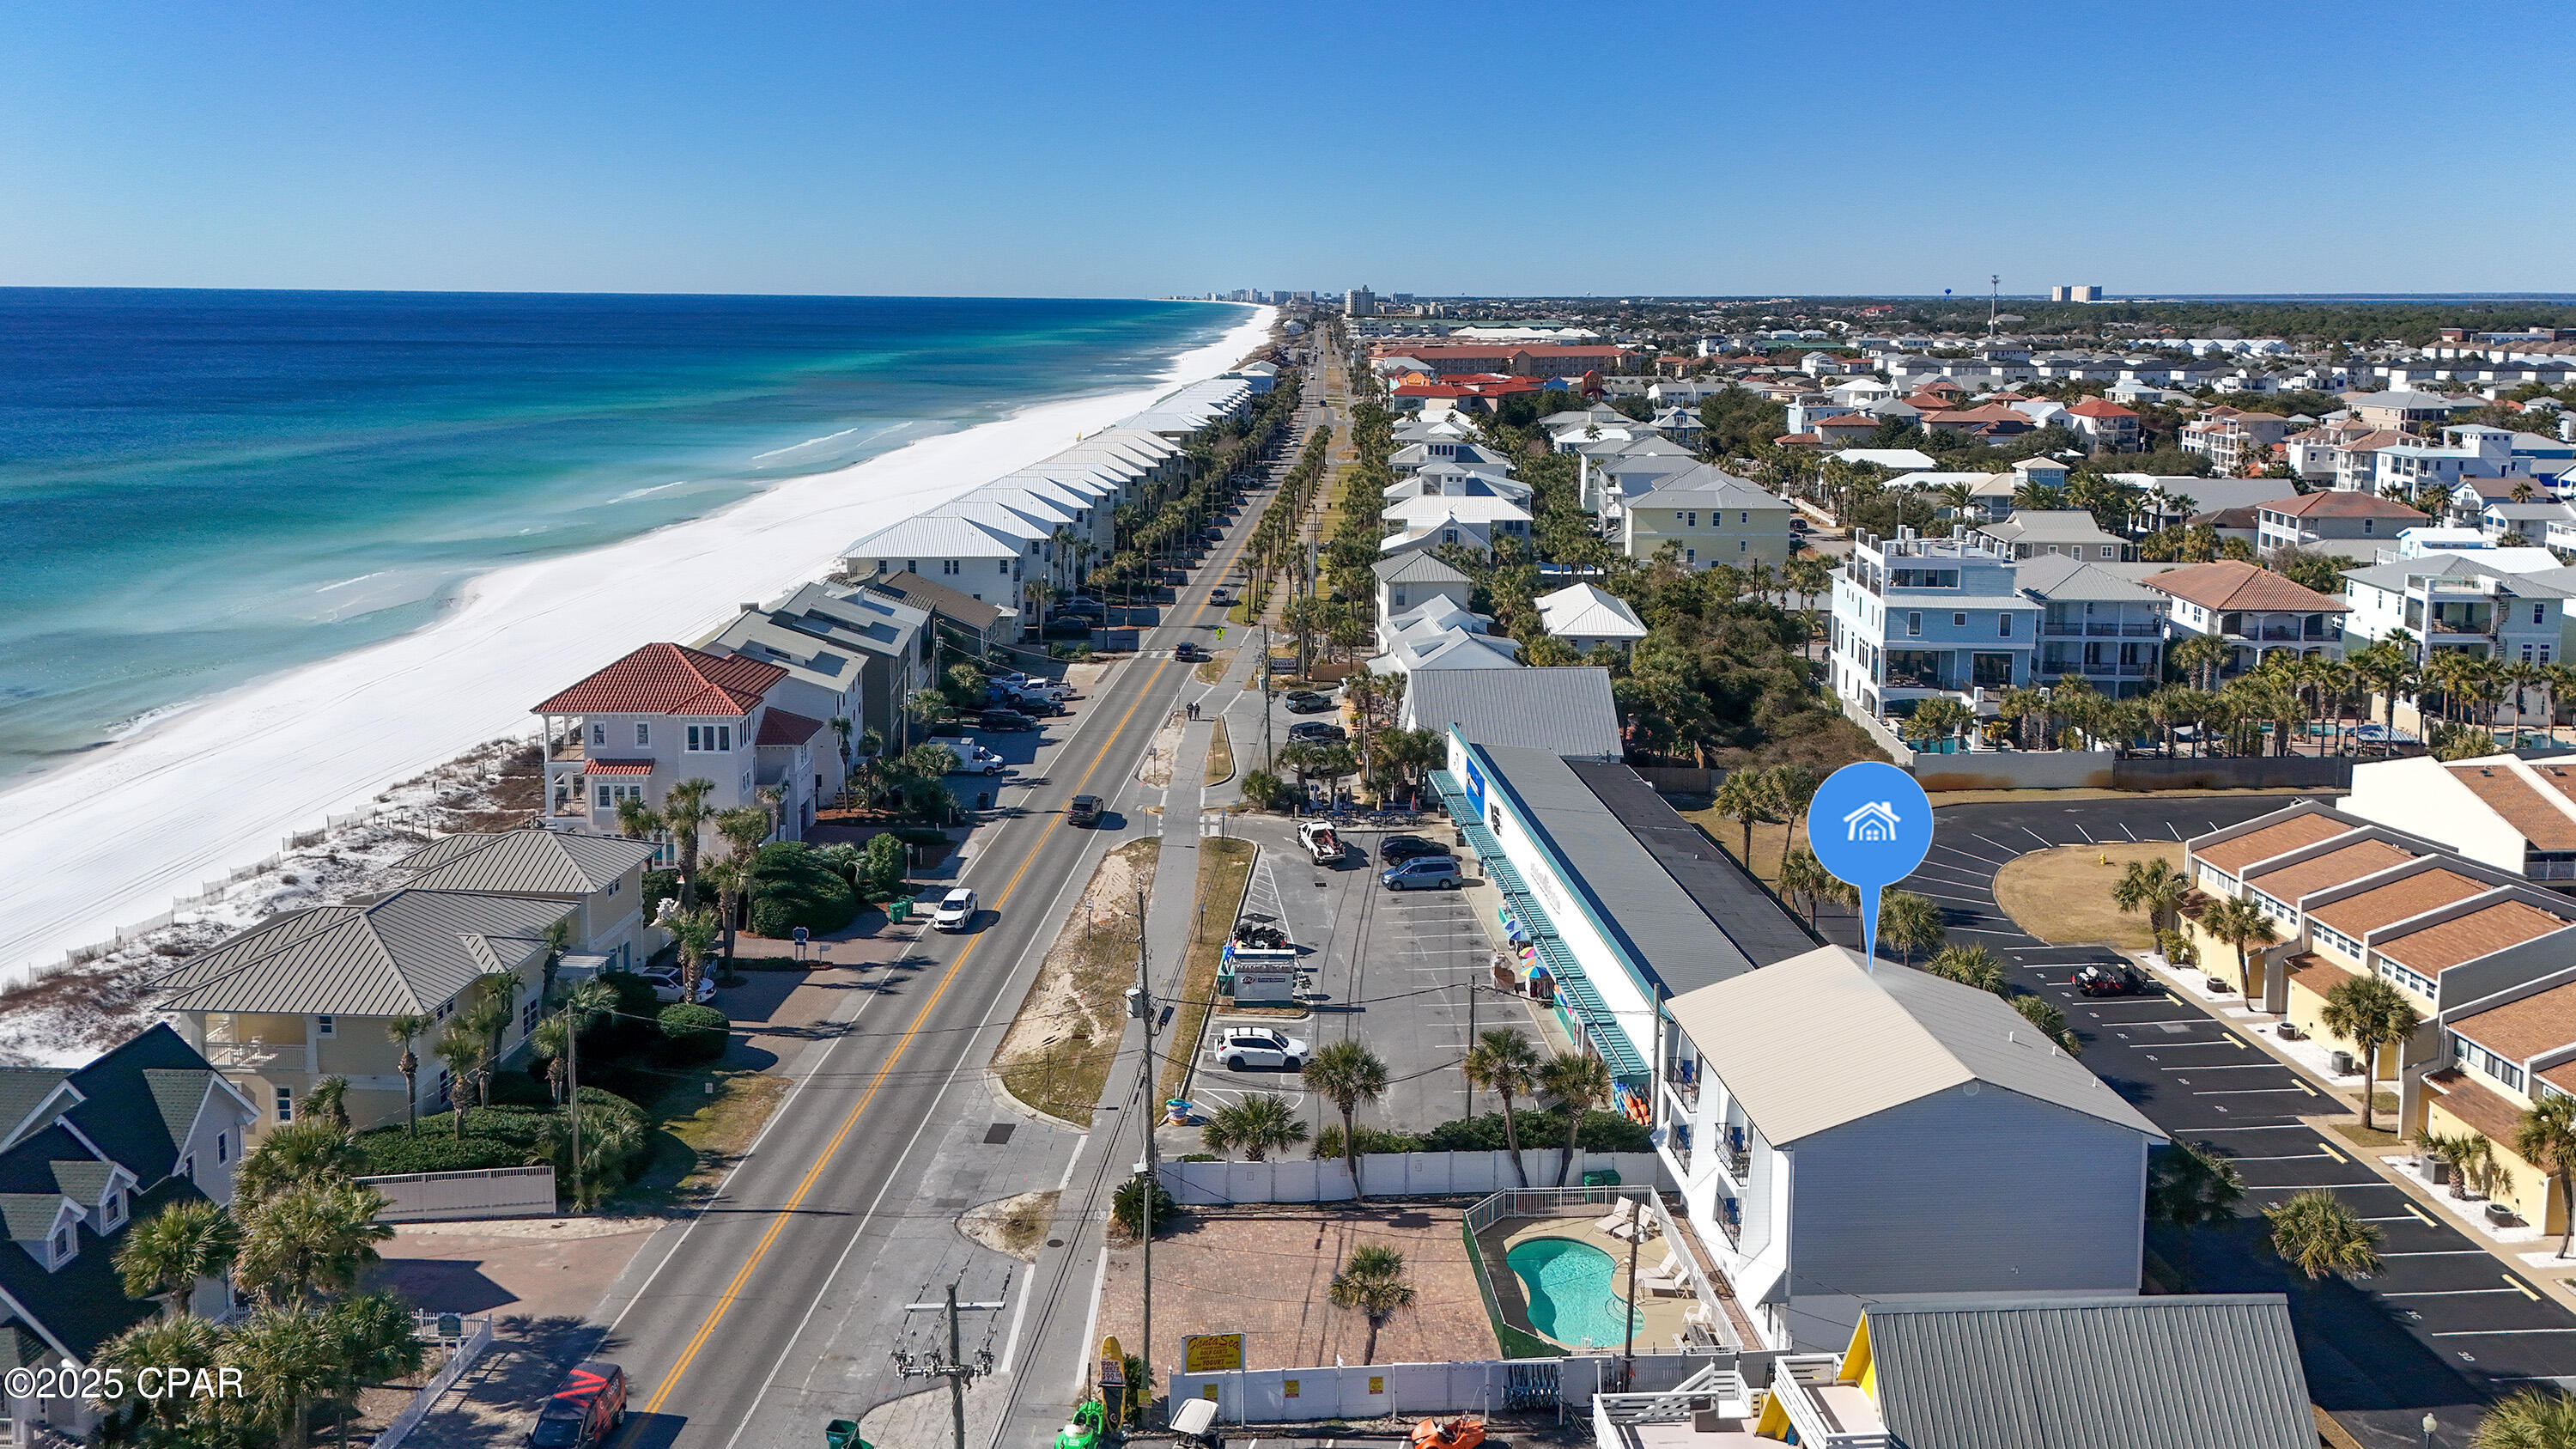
(300, 1234)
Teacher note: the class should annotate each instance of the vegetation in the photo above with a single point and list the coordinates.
(1255, 1125)
(1596, 1131)
(1348, 1075)
(1577, 1081)
(2188, 1186)
(1129, 1206)
(2528, 1418)
(2241, 924)
(1910, 923)
(1505, 1063)
(2371, 1014)
(2546, 1138)
(1371, 1283)
(793, 884)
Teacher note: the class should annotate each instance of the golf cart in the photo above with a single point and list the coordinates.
(2097, 978)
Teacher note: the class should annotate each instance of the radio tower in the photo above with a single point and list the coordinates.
(1994, 295)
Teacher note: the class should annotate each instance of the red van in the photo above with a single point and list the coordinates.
(584, 1410)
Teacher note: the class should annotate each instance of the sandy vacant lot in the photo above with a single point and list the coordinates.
(2063, 895)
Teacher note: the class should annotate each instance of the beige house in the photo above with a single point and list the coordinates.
(308, 994)
(1708, 519)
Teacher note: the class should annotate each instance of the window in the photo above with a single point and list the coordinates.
(2003, 627)
(1690, 555)
(444, 1007)
(1958, 621)
(1743, 545)
(1005, 564)
(223, 1147)
(1744, 518)
(706, 739)
(1914, 625)
(114, 1212)
(285, 1105)
(2369, 526)
(2536, 611)
(608, 795)
(643, 735)
(2108, 551)
(63, 1245)
(1687, 520)
(948, 566)
(322, 1026)
(599, 734)
(528, 1019)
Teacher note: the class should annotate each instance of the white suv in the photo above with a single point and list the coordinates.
(956, 911)
(666, 984)
(1239, 1047)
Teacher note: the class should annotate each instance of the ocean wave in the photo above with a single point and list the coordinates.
(810, 443)
(631, 494)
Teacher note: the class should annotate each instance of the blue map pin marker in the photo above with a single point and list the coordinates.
(1870, 825)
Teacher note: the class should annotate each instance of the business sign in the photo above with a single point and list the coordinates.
(1211, 1353)
(1265, 984)
(1475, 783)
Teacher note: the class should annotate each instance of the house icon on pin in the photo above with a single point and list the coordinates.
(1874, 822)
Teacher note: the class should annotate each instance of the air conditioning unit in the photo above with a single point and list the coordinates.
(2345, 1065)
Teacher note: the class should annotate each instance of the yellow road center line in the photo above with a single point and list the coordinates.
(778, 1223)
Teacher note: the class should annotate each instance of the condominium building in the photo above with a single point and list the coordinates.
(1917, 618)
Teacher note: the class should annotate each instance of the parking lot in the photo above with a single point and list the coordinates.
(1391, 968)
(2442, 1323)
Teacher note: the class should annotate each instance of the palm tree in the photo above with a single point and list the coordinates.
(2546, 1138)
(1969, 966)
(694, 933)
(2528, 1418)
(2023, 704)
(300, 1154)
(744, 828)
(182, 1343)
(1794, 786)
(2240, 924)
(1804, 880)
(2524, 677)
(1505, 1063)
(373, 1337)
(1347, 1074)
(1371, 1283)
(319, 1237)
(1938, 718)
(2371, 1014)
(2188, 1186)
(2315, 1233)
(1910, 923)
(2154, 887)
(402, 1031)
(165, 1254)
(2045, 1015)
(1256, 1125)
(2389, 667)
(461, 1048)
(1746, 798)
(558, 937)
(1579, 1081)
(684, 812)
(2200, 657)
(284, 1354)
(329, 1101)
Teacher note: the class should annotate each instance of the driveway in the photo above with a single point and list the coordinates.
(2442, 1328)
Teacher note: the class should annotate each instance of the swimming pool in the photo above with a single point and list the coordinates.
(1568, 1284)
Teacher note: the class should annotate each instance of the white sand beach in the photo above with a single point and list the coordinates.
(112, 839)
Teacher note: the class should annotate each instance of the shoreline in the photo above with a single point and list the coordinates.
(120, 833)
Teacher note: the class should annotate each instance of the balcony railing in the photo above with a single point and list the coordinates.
(2463, 626)
(1818, 1406)
(2549, 869)
(1736, 1152)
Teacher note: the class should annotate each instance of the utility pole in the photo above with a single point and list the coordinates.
(1994, 295)
(1145, 1012)
(953, 1366)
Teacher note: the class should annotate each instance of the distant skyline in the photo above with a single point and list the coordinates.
(1146, 150)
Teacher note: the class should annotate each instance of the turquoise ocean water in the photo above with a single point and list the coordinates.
(198, 488)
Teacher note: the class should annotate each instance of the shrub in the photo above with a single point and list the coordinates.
(519, 1089)
(1267, 791)
(659, 886)
(797, 888)
(628, 1028)
(1328, 1143)
(1126, 1207)
(692, 1033)
(1600, 1132)
(391, 1151)
(881, 866)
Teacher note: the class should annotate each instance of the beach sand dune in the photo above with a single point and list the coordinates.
(114, 838)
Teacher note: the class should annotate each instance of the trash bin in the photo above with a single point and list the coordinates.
(843, 1434)
(1601, 1177)
(899, 909)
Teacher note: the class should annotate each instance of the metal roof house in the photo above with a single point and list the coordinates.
(1848, 1133)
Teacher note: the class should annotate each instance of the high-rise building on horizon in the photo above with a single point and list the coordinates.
(1359, 302)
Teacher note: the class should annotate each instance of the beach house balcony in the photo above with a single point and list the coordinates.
(244, 1042)
(1712, 1409)
(1826, 1411)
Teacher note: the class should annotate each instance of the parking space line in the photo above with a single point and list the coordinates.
(2420, 1216)
(2316, 1186)
(2445, 1292)
(2492, 1332)
(2441, 1253)
(2230, 1067)
(2252, 1092)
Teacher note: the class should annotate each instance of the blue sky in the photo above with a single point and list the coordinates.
(1135, 149)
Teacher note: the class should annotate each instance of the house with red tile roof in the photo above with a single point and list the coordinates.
(2253, 610)
(667, 713)
(2354, 525)
(2108, 425)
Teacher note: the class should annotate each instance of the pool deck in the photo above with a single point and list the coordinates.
(1660, 1321)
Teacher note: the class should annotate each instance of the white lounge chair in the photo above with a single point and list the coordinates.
(1668, 1278)
(1618, 1218)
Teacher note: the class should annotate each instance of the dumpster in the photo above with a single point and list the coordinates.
(843, 1434)
(1601, 1177)
(899, 909)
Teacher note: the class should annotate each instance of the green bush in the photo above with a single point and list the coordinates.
(796, 888)
(511, 1088)
(1267, 791)
(1328, 1143)
(392, 1152)
(692, 1033)
(1127, 1206)
(881, 867)
(1600, 1132)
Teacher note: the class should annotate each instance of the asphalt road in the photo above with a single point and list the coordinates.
(2444, 1326)
(777, 1308)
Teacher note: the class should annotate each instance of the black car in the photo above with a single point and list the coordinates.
(1083, 810)
(1318, 731)
(1005, 721)
(1187, 653)
(1308, 701)
(1407, 847)
(1038, 706)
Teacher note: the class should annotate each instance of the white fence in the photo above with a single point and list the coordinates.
(495, 1192)
(1397, 1174)
(1387, 1390)
(478, 1337)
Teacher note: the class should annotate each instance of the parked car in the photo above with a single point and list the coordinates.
(1006, 721)
(1318, 732)
(1423, 873)
(956, 911)
(1083, 601)
(1309, 701)
(1036, 705)
(1220, 595)
(1242, 1047)
(1082, 608)
(584, 1410)
(1082, 810)
(666, 984)
(1044, 689)
(1408, 847)
(1188, 653)
(1012, 680)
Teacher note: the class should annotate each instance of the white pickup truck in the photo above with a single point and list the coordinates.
(969, 757)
